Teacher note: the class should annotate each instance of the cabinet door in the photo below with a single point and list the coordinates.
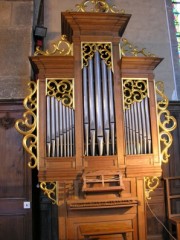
(15, 176)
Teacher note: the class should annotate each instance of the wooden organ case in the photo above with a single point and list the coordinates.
(97, 128)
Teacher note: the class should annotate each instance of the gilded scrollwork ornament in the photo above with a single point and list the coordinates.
(62, 48)
(167, 123)
(50, 189)
(151, 183)
(127, 48)
(62, 90)
(134, 90)
(97, 6)
(28, 124)
(104, 49)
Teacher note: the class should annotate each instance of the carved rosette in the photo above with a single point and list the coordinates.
(151, 183)
(134, 90)
(167, 123)
(27, 126)
(62, 90)
(105, 50)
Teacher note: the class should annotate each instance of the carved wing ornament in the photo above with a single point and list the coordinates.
(167, 123)
(28, 124)
(151, 183)
(49, 189)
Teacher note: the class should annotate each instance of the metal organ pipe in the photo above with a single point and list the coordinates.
(57, 126)
(137, 128)
(48, 129)
(91, 107)
(98, 97)
(53, 126)
(86, 110)
(61, 128)
(105, 106)
(60, 139)
(111, 110)
(98, 100)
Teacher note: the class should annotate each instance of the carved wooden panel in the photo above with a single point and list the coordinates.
(15, 177)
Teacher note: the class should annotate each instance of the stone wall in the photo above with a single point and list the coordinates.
(148, 28)
(15, 47)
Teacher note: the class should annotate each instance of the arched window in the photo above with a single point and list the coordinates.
(176, 12)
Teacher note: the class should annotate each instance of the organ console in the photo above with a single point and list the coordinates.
(92, 126)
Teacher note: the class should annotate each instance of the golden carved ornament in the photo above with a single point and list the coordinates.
(128, 48)
(97, 6)
(62, 48)
(151, 183)
(28, 125)
(105, 50)
(134, 90)
(62, 90)
(167, 123)
(50, 189)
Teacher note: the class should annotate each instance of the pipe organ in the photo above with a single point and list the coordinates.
(94, 126)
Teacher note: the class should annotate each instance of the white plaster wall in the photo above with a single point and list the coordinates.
(147, 28)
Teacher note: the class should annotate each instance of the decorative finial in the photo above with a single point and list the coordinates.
(62, 48)
(97, 6)
(128, 48)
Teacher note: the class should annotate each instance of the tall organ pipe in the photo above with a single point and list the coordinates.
(144, 126)
(70, 134)
(67, 131)
(98, 98)
(91, 106)
(140, 126)
(61, 128)
(86, 110)
(105, 105)
(57, 126)
(53, 125)
(148, 124)
(111, 109)
(48, 126)
(73, 132)
(64, 130)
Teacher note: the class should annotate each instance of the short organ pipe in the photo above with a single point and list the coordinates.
(60, 139)
(137, 128)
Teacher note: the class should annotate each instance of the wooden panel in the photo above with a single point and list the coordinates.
(155, 231)
(15, 177)
(15, 229)
(173, 167)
